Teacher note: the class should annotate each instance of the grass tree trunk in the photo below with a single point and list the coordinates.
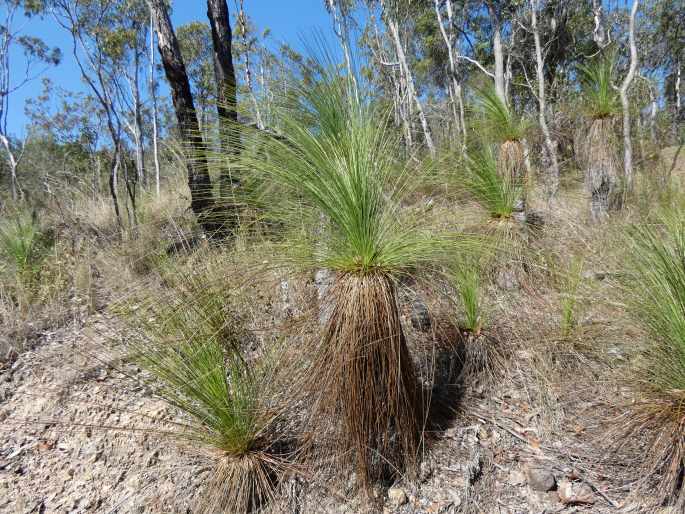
(369, 379)
(602, 167)
(625, 104)
(199, 181)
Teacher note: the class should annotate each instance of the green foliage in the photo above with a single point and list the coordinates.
(656, 290)
(23, 246)
(479, 176)
(495, 120)
(192, 344)
(332, 178)
(467, 278)
(600, 99)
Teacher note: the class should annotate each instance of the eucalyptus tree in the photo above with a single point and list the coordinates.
(108, 49)
(623, 93)
(450, 35)
(199, 181)
(37, 56)
(65, 127)
(340, 11)
(550, 145)
(393, 13)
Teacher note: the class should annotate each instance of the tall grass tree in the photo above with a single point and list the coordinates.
(600, 104)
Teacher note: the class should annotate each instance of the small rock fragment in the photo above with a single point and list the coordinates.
(516, 477)
(397, 497)
(571, 493)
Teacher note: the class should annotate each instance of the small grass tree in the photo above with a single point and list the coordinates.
(344, 201)
(23, 248)
(657, 296)
(191, 343)
(495, 192)
(499, 124)
(600, 103)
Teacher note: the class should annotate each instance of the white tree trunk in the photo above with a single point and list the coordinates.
(411, 89)
(598, 34)
(542, 105)
(14, 163)
(153, 97)
(340, 28)
(455, 87)
(497, 50)
(623, 91)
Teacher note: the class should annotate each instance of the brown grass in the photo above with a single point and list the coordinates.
(659, 424)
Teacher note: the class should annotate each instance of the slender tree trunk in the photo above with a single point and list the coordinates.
(227, 105)
(542, 105)
(411, 89)
(248, 70)
(678, 101)
(598, 33)
(199, 181)
(342, 33)
(138, 121)
(13, 166)
(498, 52)
(224, 71)
(455, 89)
(623, 91)
(113, 181)
(153, 97)
(652, 115)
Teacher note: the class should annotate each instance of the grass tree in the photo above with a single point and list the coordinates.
(500, 125)
(601, 105)
(499, 194)
(23, 249)
(190, 342)
(657, 296)
(344, 200)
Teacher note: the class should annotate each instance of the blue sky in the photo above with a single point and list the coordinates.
(288, 20)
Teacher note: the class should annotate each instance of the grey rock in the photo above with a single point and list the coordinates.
(539, 478)
(575, 493)
(420, 317)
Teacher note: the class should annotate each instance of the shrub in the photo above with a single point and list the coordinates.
(496, 121)
(24, 246)
(467, 278)
(569, 298)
